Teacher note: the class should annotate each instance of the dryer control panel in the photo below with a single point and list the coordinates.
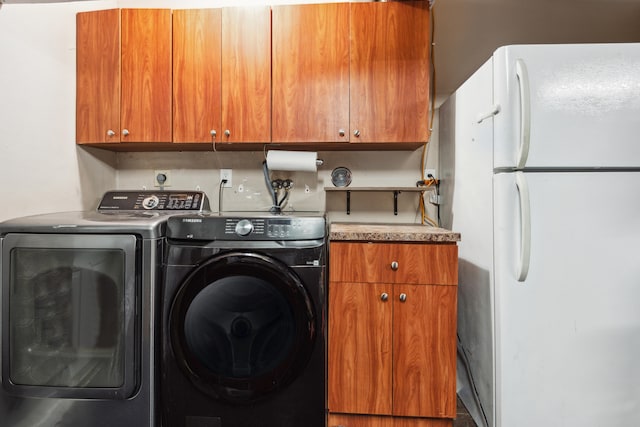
(188, 201)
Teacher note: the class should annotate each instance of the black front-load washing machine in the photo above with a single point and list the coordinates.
(243, 321)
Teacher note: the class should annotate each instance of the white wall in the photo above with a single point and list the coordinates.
(43, 171)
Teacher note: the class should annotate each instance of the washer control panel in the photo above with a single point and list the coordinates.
(211, 227)
(115, 201)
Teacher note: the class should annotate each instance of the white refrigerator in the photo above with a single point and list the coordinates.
(540, 173)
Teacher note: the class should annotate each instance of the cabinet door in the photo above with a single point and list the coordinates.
(196, 75)
(424, 350)
(98, 76)
(146, 75)
(359, 360)
(390, 44)
(310, 87)
(246, 74)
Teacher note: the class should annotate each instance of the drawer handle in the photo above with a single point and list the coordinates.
(394, 265)
(384, 296)
(403, 297)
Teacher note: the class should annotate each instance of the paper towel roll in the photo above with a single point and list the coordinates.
(292, 161)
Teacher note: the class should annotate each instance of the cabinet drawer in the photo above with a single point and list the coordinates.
(417, 263)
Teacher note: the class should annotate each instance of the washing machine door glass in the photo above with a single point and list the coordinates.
(242, 326)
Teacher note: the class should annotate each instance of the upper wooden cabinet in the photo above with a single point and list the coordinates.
(317, 75)
(351, 72)
(310, 83)
(246, 74)
(389, 77)
(123, 76)
(197, 75)
(222, 75)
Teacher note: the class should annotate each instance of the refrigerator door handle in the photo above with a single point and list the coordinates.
(525, 112)
(525, 227)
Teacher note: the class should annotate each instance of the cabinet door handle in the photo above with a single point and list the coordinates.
(111, 133)
(125, 132)
(394, 265)
(227, 133)
(403, 297)
(213, 133)
(384, 296)
(356, 133)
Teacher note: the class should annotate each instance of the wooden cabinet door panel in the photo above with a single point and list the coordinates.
(373, 262)
(360, 262)
(98, 76)
(360, 354)
(424, 358)
(246, 74)
(342, 420)
(310, 82)
(422, 422)
(146, 75)
(196, 74)
(390, 45)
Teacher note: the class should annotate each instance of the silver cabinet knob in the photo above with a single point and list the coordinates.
(227, 133)
(394, 265)
(213, 133)
(384, 296)
(341, 132)
(111, 133)
(403, 297)
(125, 132)
(356, 133)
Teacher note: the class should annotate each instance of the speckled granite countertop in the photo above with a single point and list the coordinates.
(390, 233)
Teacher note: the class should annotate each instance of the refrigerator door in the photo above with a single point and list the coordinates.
(568, 332)
(567, 106)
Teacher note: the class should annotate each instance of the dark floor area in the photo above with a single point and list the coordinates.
(463, 419)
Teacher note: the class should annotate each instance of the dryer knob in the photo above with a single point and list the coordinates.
(244, 227)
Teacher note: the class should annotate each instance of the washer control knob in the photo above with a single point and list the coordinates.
(244, 227)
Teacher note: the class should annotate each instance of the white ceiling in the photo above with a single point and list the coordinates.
(468, 31)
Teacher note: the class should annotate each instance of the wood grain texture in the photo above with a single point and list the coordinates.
(359, 355)
(310, 82)
(344, 420)
(424, 356)
(146, 75)
(197, 44)
(246, 74)
(98, 76)
(433, 264)
(390, 44)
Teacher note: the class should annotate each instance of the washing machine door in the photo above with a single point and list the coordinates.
(242, 326)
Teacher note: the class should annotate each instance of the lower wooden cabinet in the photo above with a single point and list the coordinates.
(392, 334)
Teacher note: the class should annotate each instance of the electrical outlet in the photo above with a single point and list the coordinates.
(226, 174)
(162, 178)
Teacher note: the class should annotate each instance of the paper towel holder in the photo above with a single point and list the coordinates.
(285, 160)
